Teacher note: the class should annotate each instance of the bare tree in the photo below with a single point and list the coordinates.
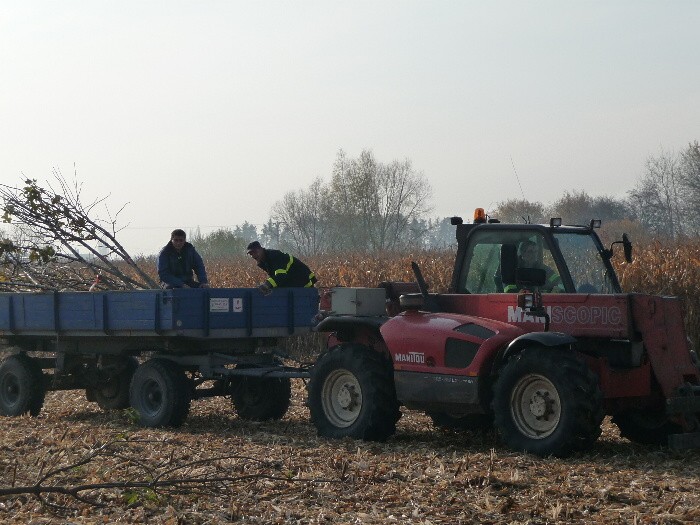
(352, 183)
(578, 207)
(690, 183)
(373, 204)
(62, 243)
(303, 217)
(402, 197)
(519, 211)
(657, 198)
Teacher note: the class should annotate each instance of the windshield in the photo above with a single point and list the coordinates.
(588, 271)
(481, 272)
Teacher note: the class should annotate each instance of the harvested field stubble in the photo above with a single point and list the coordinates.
(280, 472)
(220, 469)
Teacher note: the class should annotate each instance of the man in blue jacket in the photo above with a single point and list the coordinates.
(284, 270)
(178, 261)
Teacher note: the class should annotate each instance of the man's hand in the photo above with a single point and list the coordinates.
(265, 288)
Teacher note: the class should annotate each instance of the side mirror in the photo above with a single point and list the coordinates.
(627, 247)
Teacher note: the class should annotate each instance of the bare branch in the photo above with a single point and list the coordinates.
(60, 229)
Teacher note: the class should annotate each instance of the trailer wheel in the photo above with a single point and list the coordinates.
(647, 427)
(21, 386)
(469, 422)
(160, 393)
(351, 394)
(113, 394)
(261, 398)
(547, 402)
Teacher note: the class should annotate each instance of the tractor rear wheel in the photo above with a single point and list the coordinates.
(21, 386)
(647, 427)
(160, 393)
(351, 394)
(547, 402)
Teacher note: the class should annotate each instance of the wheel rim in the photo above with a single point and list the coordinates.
(10, 390)
(152, 397)
(341, 398)
(535, 406)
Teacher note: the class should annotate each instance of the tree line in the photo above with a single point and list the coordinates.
(365, 206)
(369, 206)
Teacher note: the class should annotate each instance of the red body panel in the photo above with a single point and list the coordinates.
(657, 321)
(416, 341)
(660, 321)
(580, 315)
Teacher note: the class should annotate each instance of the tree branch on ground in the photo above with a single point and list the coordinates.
(202, 476)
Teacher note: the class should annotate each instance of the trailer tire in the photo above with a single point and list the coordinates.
(469, 422)
(114, 394)
(547, 402)
(352, 394)
(647, 427)
(21, 386)
(261, 398)
(160, 393)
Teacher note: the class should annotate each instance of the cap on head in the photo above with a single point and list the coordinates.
(253, 246)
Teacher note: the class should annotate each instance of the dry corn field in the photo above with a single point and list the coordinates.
(657, 268)
(102, 468)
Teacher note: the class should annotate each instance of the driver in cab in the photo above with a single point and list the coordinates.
(528, 257)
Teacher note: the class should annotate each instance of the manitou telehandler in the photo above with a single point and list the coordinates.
(541, 351)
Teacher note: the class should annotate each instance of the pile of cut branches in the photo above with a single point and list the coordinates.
(60, 243)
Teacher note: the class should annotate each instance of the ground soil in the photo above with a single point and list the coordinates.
(217, 468)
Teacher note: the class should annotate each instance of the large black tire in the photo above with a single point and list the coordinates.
(113, 393)
(261, 398)
(352, 394)
(469, 422)
(648, 427)
(160, 393)
(547, 402)
(21, 386)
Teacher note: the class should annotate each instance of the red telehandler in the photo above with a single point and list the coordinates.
(540, 348)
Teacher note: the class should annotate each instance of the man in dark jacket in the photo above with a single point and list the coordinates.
(177, 261)
(284, 270)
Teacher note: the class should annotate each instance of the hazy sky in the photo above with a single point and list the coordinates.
(205, 113)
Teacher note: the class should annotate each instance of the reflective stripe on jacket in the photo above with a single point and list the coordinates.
(285, 271)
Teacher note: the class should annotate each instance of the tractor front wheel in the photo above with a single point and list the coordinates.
(351, 394)
(547, 402)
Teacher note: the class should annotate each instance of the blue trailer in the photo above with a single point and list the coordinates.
(153, 349)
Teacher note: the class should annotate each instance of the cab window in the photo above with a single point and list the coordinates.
(481, 271)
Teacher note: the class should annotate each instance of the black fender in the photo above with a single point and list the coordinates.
(340, 323)
(550, 339)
